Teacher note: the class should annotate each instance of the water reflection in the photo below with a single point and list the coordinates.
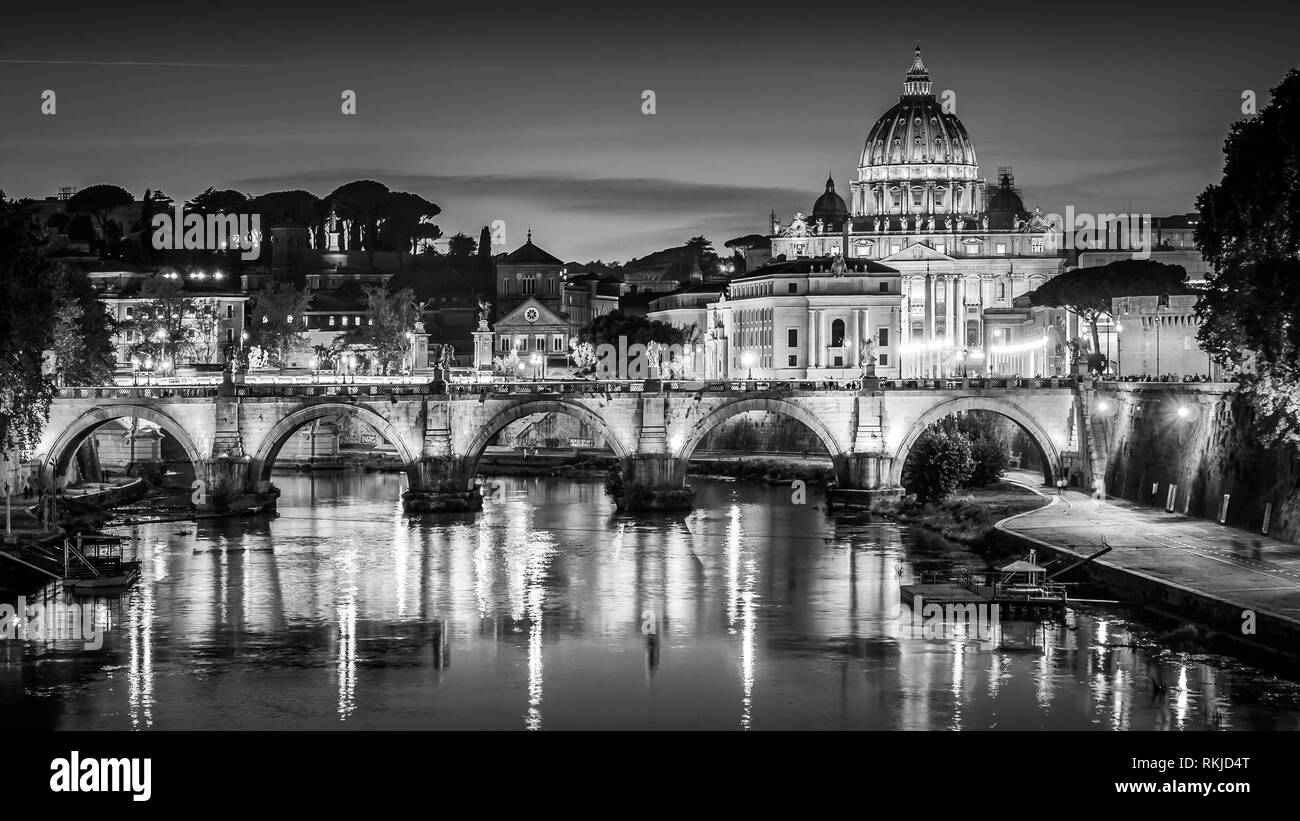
(549, 611)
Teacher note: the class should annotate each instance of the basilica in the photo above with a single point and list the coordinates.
(917, 274)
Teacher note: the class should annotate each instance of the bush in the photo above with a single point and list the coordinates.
(938, 464)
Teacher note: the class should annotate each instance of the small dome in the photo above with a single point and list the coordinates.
(830, 208)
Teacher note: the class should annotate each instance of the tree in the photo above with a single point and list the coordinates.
(276, 321)
(26, 331)
(83, 331)
(938, 464)
(160, 325)
(609, 327)
(389, 331)
(989, 443)
(406, 218)
(297, 207)
(485, 247)
(1089, 292)
(81, 228)
(461, 246)
(218, 201)
(98, 201)
(363, 202)
(1250, 234)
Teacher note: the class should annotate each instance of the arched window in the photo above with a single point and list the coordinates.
(837, 333)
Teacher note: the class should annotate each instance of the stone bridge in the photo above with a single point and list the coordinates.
(233, 430)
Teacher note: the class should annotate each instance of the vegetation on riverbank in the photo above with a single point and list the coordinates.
(967, 518)
(761, 469)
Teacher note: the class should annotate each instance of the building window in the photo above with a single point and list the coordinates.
(884, 287)
(793, 361)
(372, 320)
(882, 338)
(792, 337)
(794, 289)
(941, 247)
(129, 310)
(230, 312)
(972, 334)
(837, 333)
(1000, 248)
(539, 343)
(1002, 290)
(884, 360)
(1036, 245)
(331, 320)
(557, 342)
(230, 334)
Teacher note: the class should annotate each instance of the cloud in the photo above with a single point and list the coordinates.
(565, 192)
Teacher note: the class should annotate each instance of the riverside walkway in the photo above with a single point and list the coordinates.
(1157, 558)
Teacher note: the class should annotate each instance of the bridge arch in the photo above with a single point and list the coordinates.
(528, 407)
(1003, 407)
(724, 412)
(64, 447)
(264, 457)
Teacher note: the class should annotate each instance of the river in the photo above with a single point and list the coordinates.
(549, 611)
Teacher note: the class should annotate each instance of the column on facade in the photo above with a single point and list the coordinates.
(855, 341)
(814, 342)
(961, 311)
(928, 330)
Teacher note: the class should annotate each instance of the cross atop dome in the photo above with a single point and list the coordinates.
(918, 82)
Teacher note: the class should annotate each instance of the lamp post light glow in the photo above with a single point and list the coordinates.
(747, 360)
(1183, 412)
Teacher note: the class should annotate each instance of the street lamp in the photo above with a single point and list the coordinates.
(536, 360)
(747, 360)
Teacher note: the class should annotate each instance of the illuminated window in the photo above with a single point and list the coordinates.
(1000, 248)
(345, 321)
(1036, 245)
(331, 320)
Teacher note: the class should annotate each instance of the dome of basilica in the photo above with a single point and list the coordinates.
(916, 129)
(918, 158)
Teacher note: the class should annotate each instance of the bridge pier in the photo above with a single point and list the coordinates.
(227, 484)
(864, 481)
(439, 484)
(653, 481)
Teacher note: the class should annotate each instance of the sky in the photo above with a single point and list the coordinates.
(532, 113)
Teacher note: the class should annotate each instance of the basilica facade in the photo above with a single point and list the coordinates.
(919, 272)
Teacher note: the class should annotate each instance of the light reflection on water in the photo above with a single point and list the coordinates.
(546, 611)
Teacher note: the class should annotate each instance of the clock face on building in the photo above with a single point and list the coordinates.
(531, 314)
